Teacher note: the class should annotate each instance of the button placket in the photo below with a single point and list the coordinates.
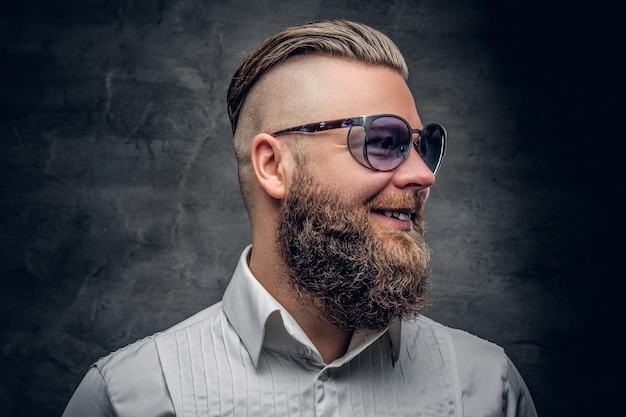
(323, 376)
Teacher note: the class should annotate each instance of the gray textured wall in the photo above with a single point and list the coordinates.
(120, 212)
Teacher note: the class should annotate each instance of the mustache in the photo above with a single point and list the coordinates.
(403, 201)
(406, 202)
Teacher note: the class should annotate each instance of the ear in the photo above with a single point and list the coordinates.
(271, 162)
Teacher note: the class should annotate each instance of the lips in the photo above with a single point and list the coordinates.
(400, 215)
(402, 207)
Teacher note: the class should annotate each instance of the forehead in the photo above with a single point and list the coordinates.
(311, 88)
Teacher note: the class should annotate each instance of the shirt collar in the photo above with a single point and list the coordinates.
(248, 306)
(260, 320)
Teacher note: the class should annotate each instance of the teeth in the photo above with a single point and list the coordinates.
(397, 215)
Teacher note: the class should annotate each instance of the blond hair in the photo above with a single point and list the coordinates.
(341, 38)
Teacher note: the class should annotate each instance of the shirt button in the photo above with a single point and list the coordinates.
(324, 376)
(307, 351)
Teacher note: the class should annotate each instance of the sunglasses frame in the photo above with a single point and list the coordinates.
(366, 122)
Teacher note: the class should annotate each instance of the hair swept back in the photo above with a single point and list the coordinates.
(335, 37)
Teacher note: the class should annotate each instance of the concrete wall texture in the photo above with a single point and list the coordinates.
(120, 212)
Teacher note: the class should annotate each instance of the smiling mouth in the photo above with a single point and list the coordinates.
(400, 215)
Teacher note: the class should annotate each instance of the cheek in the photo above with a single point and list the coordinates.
(335, 168)
(357, 187)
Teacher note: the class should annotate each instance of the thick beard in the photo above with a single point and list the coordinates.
(355, 276)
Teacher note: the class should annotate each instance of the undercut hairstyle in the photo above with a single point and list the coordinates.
(335, 38)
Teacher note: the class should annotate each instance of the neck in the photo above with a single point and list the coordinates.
(330, 341)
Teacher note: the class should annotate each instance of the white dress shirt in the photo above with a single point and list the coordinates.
(246, 356)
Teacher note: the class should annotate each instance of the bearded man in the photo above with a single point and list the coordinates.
(322, 316)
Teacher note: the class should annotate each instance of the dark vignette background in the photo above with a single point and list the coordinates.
(120, 212)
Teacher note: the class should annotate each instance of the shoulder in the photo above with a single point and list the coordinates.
(144, 351)
(135, 376)
(466, 346)
(484, 375)
(141, 360)
(472, 359)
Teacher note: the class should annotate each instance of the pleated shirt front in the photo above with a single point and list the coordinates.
(246, 356)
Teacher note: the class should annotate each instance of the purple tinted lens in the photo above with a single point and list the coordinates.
(387, 144)
(430, 146)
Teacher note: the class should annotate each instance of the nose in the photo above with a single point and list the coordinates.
(413, 173)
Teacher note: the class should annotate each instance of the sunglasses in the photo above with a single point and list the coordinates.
(382, 142)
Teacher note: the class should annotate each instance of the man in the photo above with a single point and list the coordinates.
(322, 315)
